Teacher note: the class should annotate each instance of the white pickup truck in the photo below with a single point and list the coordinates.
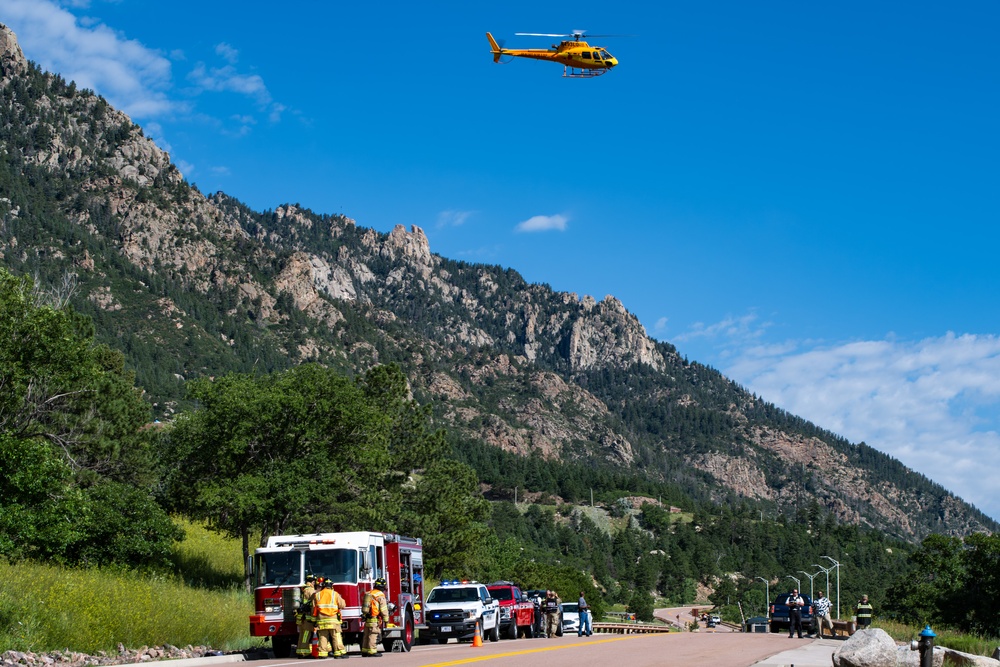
(454, 608)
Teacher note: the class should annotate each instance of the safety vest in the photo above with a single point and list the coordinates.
(864, 611)
(551, 605)
(374, 607)
(326, 603)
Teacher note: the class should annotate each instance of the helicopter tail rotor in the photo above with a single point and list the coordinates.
(497, 48)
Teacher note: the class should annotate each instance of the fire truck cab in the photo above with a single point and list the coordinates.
(353, 561)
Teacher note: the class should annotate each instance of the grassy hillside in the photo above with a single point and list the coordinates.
(45, 608)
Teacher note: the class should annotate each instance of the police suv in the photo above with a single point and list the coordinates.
(455, 608)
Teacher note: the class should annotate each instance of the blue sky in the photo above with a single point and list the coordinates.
(804, 197)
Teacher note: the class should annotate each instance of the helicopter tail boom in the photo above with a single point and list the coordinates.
(497, 51)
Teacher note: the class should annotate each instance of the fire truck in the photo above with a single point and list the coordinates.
(353, 561)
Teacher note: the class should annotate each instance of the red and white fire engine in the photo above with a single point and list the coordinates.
(353, 561)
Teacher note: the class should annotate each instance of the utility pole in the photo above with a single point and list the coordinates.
(836, 565)
(767, 594)
(826, 570)
(811, 577)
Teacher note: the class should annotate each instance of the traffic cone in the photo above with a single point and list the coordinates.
(477, 640)
(314, 645)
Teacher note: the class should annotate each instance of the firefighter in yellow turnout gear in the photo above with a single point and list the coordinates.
(376, 610)
(327, 604)
(304, 619)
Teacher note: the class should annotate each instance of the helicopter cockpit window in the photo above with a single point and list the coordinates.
(605, 55)
(597, 56)
(586, 55)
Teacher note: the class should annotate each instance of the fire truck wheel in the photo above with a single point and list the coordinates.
(511, 631)
(282, 647)
(528, 632)
(407, 634)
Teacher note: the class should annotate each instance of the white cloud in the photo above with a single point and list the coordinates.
(731, 330)
(452, 218)
(932, 404)
(228, 53)
(542, 223)
(227, 79)
(132, 76)
(186, 168)
(661, 325)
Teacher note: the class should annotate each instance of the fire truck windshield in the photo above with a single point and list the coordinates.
(278, 568)
(340, 565)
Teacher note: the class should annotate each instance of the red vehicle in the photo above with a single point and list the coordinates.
(517, 612)
(353, 561)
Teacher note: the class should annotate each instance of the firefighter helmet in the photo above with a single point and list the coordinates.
(328, 583)
(380, 584)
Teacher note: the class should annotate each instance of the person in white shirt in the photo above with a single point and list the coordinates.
(821, 614)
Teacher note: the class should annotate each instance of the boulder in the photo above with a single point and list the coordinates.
(953, 658)
(867, 648)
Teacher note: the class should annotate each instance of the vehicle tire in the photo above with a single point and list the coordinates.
(511, 632)
(528, 632)
(442, 640)
(495, 633)
(407, 635)
(282, 646)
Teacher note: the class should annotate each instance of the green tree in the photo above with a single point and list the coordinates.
(71, 425)
(302, 450)
(447, 511)
(931, 591)
(982, 584)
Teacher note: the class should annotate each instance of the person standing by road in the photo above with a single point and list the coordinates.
(795, 604)
(326, 608)
(586, 621)
(304, 619)
(821, 617)
(863, 612)
(552, 613)
(376, 610)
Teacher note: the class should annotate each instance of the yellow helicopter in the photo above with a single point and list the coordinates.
(580, 60)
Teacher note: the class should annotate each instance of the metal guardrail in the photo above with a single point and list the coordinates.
(630, 628)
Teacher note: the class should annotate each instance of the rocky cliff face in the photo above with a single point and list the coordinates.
(198, 282)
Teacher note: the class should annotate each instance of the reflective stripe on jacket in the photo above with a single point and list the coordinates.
(864, 611)
(326, 603)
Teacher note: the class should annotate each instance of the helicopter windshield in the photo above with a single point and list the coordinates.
(605, 55)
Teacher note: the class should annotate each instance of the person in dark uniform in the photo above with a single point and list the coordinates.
(795, 604)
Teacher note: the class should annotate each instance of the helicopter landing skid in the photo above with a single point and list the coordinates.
(576, 73)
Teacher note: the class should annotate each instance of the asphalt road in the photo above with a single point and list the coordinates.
(708, 648)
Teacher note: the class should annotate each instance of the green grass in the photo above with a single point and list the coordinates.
(44, 608)
(207, 559)
(945, 637)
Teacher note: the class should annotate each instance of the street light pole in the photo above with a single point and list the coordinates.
(836, 565)
(826, 570)
(767, 594)
(798, 583)
(811, 577)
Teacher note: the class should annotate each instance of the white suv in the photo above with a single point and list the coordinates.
(454, 608)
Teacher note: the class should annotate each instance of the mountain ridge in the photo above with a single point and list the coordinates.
(190, 285)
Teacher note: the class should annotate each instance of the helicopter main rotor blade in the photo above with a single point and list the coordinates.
(541, 34)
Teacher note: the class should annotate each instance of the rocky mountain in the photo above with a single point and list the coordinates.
(190, 285)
